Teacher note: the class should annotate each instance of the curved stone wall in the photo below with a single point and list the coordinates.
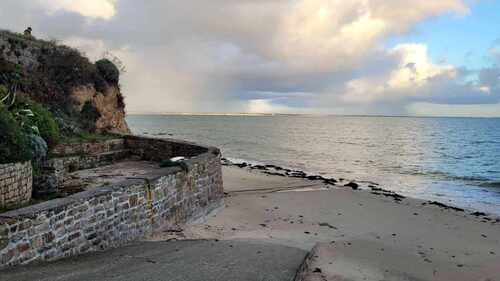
(112, 216)
(15, 184)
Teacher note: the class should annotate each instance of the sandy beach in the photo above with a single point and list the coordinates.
(368, 236)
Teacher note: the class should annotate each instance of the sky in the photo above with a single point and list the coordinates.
(359, 57)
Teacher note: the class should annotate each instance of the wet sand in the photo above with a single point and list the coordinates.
(373, 236)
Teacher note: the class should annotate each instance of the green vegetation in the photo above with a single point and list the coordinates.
(42, 119)
(36, 107)
(108, 70)
(14, 142)
(88, 137)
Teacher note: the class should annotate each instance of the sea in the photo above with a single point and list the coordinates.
(455, 161)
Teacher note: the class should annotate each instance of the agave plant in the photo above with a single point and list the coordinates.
(8, 99)
(7, 93)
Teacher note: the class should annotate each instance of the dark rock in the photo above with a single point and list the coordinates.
(444, 206)
(396, 196)
(241, 165)
(259, 167)
(273, 174)
(379, 189)
(479, 214)
(330, 181)
(352, 185)
(315, 178)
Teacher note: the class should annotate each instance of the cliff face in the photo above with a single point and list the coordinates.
(112, 115)
(83, 96)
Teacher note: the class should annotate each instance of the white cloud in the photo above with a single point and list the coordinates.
(453, 110)
(104, 9)
(334, 33)
(223, 55)
(414, 71)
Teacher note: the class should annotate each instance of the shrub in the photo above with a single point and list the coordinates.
(47, 125)
(108, 70)
(14, 143)
(42, 119)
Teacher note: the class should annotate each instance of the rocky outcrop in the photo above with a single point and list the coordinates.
(81, 95)
(111, 114)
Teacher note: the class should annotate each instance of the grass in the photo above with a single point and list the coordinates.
(89, 137)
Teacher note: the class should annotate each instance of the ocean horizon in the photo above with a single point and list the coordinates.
(130, 114)
(453, 160)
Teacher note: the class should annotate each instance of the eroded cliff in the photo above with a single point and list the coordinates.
(82, 95)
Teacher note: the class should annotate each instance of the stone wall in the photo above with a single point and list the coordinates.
(15, 184)
(113, 216)
(67, 158)
(85, 148)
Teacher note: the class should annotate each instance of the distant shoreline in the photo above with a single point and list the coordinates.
(298, 114)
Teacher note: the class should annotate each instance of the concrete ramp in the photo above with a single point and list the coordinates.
(371, 261)
(172, 261)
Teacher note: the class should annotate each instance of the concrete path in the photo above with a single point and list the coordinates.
(172, 261)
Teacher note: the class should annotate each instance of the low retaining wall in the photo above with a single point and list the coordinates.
(15, 184)
(66, 158)
(113, 216)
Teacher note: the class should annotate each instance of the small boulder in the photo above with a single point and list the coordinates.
(352, 185)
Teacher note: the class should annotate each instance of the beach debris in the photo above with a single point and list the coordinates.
(177, 159)
(479, 214)
(387, 193)
(315, 178)
(395, 196)
(297, 174)
(274, 174)
(327, 225)
(330, 181)
(258, 167)
(352, 185)
(241, 165)
(281, 172)
(444, 206)
(373, 188)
